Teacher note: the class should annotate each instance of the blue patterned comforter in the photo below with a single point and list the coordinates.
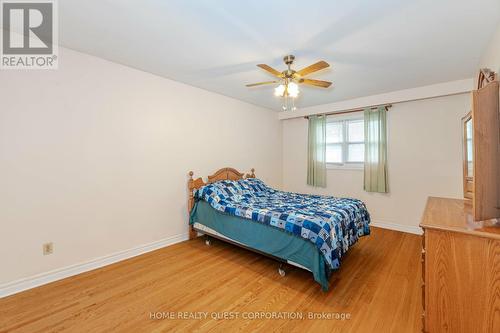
(332, 224)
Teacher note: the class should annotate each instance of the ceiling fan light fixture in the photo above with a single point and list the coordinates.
(293, 90)
(279, 91)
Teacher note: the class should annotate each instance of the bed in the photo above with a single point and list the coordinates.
(312, 232)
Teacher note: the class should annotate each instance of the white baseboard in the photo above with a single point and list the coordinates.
(61, 273)
(398, 227)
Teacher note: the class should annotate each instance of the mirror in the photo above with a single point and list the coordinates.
(468, 155)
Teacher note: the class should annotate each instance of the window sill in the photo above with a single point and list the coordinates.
(357, 167)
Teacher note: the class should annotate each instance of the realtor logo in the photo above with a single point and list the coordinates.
(29, 34)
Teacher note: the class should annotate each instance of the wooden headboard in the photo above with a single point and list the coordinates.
(221, 174)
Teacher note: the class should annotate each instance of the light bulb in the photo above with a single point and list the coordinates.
(293, 89)
(279, 90)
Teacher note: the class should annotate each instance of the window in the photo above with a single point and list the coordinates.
(345, 142)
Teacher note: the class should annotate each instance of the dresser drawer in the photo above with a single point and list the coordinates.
(461, 282)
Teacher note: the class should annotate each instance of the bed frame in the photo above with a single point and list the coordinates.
(224, 174)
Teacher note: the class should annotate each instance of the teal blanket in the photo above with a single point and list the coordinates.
(264, 238)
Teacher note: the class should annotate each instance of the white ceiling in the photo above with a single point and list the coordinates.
(373, 46)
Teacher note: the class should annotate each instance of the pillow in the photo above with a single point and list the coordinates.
(234, 190)
(256, 185)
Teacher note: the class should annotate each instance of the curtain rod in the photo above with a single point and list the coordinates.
(387, 106)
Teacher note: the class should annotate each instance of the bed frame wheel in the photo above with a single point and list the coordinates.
(281, 270)
(208, 241)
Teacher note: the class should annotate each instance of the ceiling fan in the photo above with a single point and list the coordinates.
(289, 78)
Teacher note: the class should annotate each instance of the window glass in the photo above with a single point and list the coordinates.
(334, 153)
(334, 132)
(356, 130)
(345, 141)
(356, 152)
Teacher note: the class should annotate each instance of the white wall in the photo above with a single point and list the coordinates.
(424, 156)
(94, 157)
(491, 56)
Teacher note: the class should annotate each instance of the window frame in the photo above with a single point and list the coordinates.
(345, 164)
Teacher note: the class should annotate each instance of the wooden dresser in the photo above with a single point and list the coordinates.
(460, 269)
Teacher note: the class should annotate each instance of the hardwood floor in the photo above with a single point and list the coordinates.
(378, 287)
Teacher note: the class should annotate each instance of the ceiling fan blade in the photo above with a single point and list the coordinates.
(313, 68)
(317, 83)
(270, 70)
(260, 83)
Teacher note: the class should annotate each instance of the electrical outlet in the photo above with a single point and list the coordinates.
(48, 248)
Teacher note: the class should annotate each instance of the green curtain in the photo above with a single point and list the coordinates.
(376, 151)
(316, 154)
